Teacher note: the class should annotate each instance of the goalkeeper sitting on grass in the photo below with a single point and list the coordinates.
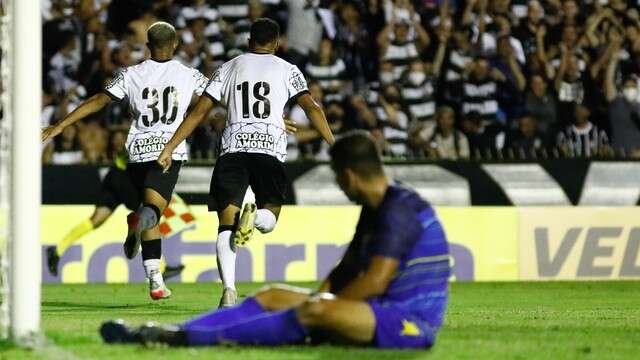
(389, 290)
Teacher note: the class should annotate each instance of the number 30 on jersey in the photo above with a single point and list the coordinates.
(169, 103)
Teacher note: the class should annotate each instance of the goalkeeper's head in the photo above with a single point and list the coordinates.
(162, 40)
(356, 162)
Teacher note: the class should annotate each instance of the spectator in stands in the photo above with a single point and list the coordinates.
(393, 122)
(201, 35)
(66, 148)
(444, 141)
(569, 84)
(480, 90)
(398, 46)
(583, 138)
(485, 140)
(540, 103)
(304, 30)
(418, 86)
(458, 65)
(64, 65)
(241, 27)
(329, 71)
(623, 111)
(526, 142)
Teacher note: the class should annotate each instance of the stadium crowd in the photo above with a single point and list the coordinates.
(435, 79)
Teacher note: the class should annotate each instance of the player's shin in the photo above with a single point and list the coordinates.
(227, 316)
(226, 253)
(276, 328)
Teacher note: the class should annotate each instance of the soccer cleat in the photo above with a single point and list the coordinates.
(228, 299)
(53, 260)
(132, 244)
(171, 271)
(246, 225)
(117, 332)
(158, 291)
(152, 334)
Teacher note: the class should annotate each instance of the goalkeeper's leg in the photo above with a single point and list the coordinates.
(99, 216)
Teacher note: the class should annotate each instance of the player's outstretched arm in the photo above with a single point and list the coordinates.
(94, 104)
(316, 115)
(202, 108)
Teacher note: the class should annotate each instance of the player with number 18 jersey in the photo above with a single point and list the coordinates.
(254, 88)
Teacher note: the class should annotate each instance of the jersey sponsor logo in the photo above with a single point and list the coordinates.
(254, 141)
(409, 328)
(148, 145)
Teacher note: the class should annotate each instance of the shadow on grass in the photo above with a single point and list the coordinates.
(73, 305)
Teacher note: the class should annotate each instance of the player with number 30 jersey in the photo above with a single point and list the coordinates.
(158, 92)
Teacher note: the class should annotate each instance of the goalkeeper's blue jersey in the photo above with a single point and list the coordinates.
(405, 227)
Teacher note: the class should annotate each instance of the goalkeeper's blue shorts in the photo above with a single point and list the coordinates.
(408, 324)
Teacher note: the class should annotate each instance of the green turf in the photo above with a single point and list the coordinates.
(589, 320)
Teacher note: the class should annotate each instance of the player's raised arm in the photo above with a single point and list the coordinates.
(316, 115)
(193, 119)
(91, 106)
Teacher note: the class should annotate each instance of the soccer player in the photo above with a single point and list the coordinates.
(254, 87)
(389, 290)
(116, 189)
(158, 91)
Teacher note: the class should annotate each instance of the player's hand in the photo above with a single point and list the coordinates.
(50, 132)
(164, 160)
(290, 126)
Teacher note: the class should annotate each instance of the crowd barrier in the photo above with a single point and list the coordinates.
(557, 182)
(486, 244)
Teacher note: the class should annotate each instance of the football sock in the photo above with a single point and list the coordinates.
(149, 215)
(151, 252)
(226, 259)
(226, 316)
(272, 328)
(265, 220)
(74, 235)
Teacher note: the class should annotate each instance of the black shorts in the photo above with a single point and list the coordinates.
(234, 172)
(117, 189)
(149, 175)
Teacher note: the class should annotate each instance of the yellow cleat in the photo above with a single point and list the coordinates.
(246, 225)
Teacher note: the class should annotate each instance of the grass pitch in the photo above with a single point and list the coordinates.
(561, 320)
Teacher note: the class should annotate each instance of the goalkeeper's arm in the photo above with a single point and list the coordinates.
(94, 104)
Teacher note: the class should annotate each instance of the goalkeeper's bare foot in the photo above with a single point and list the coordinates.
(132, 243)
(246, 225)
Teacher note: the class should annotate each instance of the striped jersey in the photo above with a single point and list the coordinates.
(158, 94)
(480, 96)
(420, 99)
(401, 54)
(583, 142)
(330, 77)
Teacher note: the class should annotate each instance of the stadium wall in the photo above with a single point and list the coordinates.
(487, 244)
(561, 182)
